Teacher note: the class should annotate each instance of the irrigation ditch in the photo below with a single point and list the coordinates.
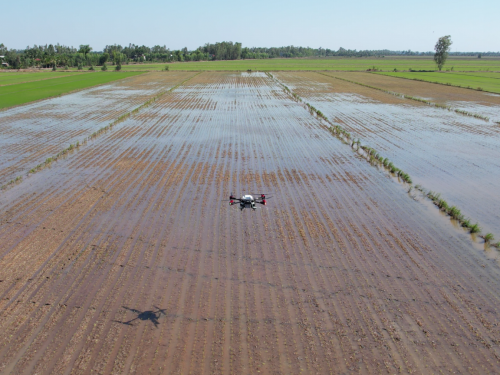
(95, 134)
(375, 159)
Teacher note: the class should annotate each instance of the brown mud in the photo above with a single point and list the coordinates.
(340, 273)
(443, 151)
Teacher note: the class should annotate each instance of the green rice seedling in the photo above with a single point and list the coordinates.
(386, 162)
(488, 237)
(442, 204)
(454, 212)
(465, 223)
(474, 228)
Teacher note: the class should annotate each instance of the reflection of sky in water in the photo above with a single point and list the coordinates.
(55, 123)
(456, 155)
(493, 112)
(253, 74)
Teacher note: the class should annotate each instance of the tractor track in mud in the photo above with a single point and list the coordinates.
(341, 272)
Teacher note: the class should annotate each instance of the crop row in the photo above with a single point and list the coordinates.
(375, 158)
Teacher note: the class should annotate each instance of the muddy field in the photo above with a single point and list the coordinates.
(446, 152)
(123, 258)
(484, 103)
(32, 133)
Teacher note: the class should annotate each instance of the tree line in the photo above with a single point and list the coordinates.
(63, 56)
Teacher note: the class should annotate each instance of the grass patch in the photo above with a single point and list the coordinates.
(27, 92)
(11, 78)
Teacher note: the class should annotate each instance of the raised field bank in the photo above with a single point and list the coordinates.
(377, 252)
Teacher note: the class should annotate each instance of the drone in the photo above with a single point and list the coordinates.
(248, 201)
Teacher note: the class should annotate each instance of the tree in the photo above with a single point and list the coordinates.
(17, 63)
(103, 59)
(442, 48)
(85, 48)
(118, 66)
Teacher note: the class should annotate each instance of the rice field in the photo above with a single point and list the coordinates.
(11, 78)
(21, 93)
(124, 256)
(478, 81)
(388, 63)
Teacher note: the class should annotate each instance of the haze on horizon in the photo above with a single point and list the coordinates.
(389, 24)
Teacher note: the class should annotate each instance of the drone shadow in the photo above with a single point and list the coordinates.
(151, 315)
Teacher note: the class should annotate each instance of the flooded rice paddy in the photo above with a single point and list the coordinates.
(123, 257)
(446, 152)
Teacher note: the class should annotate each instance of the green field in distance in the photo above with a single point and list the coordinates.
(486, 83)
(27, 92)
(358, 64)
(13, 77)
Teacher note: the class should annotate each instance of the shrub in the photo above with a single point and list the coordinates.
(118, 66)
(91, 67)
(80, 66)
(54, 68)
(104, 67)
(167, 68)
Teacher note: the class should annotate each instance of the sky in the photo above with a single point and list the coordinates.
(351, 24)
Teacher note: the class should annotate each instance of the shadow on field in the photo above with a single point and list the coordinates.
(150, 315)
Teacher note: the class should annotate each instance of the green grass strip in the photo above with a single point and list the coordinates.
(15, 78)
(27, 92)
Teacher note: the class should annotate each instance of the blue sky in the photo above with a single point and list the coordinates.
(395, 25)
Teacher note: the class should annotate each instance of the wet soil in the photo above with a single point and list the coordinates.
(486, 104)
(29, 134)
(123, 258)
(455, 155)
